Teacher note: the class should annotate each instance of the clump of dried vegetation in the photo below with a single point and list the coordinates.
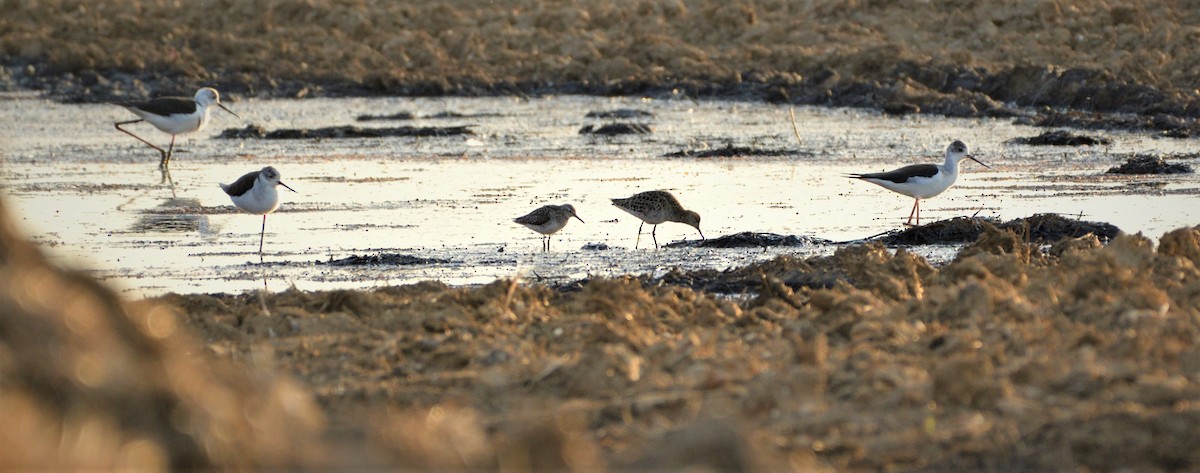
(437, 47)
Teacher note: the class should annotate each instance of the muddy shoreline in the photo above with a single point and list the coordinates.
(988, 59)
(1043, 95)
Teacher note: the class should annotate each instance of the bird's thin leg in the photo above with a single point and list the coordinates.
(916, 202)
(261, 235)
(127, 132)
(167, 158)
(547, 244)
(166, 179)
(653, 236)
(639, 237)
(918, 212)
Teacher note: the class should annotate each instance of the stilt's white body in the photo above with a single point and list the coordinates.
(920, 187)
(174, 116)
(177, 124)
(255, 193)
(261, 199)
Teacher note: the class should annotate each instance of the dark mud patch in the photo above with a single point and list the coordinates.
(1148, 164)
(620, 114)
(404, 116)
(749, 240)
(729, 151)
(613, 129)
(382, 259)
(1060, 138)
(1039, 228)
(1167, 125)
(339, 132)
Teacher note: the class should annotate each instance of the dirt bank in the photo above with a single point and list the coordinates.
(1006, 358)
(969, 59)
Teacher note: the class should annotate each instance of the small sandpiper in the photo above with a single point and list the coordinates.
(174, 116)
(547, 220)
(655, 207)
(255, 193)
(922, 181)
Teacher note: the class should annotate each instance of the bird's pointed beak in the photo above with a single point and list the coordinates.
(981, 163)
(288, 187)
(577, 218)
(223, 107)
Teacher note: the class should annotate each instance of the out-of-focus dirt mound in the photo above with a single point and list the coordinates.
(1039, 228)
(1002, 359)
(91, 383)
(970, 59)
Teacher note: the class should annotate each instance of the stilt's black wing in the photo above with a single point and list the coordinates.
(164, 106)
(242, 185)
(901, 175)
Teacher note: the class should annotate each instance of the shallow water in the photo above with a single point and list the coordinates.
(93, 196)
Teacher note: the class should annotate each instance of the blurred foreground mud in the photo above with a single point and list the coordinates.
(1071, 356)
(92, 382)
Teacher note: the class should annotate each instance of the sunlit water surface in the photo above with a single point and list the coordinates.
(94, 198)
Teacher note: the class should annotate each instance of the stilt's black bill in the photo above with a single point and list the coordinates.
(219, 104)
(978, 161)
(288, 187)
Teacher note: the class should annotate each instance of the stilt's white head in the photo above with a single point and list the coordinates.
(209, 96)
(957, 151)
(272, 177)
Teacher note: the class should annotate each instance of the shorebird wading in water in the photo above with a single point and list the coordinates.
(655, 207)
(255, 193)
(174, 116)
(547, 220)
(922, 181)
